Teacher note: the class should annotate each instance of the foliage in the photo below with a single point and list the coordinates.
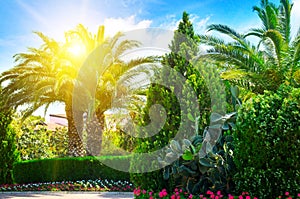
(69, 169)
(8, 150)
(35, 141)
(263, 66)
(183, 48)
(267, 143)
(119, 139)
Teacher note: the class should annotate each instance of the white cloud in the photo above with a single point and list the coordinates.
(295, 17)
(199, 23)
(171, 23)
(113, 25)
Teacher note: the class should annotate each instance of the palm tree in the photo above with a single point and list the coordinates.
(258, 67)
(99, 80)
(48, 74)
(41, 77)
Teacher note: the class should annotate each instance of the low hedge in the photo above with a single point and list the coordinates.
(69, 169)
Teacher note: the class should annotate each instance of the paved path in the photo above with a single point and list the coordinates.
(67, 195)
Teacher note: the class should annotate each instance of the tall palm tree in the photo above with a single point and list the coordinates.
(100, 81)
(48, 74)
(258, 67)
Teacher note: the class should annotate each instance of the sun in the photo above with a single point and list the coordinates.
(76, 49)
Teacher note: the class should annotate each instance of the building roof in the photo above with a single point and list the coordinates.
(58, 115)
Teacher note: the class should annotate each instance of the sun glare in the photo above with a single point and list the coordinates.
(76, 49)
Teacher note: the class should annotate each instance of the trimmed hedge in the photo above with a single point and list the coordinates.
(69, 169)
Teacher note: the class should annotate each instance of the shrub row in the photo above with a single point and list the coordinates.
(71, 168)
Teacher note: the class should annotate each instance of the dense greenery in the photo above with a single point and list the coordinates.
(8, 148)
(183, 49)
(69, 169)
(267, 143)
(35, 141)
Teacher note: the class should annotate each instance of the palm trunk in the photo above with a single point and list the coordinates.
(94, 129)
(74, 130)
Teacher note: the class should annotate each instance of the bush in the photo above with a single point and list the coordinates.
(8, 149)
(267, 144)
(69, 169)
(35, 141)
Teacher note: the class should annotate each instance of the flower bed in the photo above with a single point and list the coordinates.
(83, 185)
(179, 194)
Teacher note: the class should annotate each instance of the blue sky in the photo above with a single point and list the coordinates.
(18, 18)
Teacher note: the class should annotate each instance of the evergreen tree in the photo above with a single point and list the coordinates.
(178, 66)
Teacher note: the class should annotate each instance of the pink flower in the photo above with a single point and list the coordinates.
(230, 197)
(219, 193)
(209, 192)
(245, 193)
(144, 191)
(190, 196)
(173, 197)
(163, 193)
(248, 197)
(137, 192)
(151, 197)
(287, 193)
(150, 193)
(241, 197)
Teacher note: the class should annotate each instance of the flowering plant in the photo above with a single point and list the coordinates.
(180, 194)
(82, 185)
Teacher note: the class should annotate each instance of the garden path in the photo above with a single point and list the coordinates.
(67, 195)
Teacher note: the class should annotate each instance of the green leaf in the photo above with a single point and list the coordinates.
(175, 146)
(235, 91)
(215, 117)
(203, 169)
(205, 162)
(166, 173)
(187, 155)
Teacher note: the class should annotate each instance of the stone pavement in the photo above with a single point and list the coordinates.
(67, 195)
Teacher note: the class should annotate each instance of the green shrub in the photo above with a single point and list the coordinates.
(267, 144)
(69, 168)
(8, 149)
(35, 141)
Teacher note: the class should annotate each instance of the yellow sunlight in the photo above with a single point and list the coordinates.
(76, 49)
